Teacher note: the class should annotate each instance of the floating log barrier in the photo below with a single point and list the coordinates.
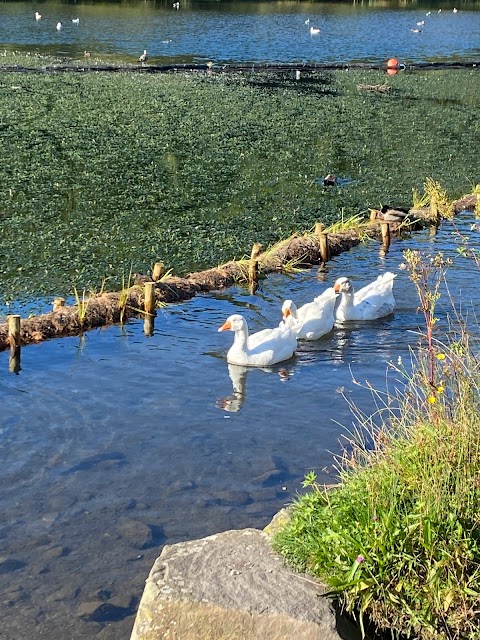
(118, 306)
(232, 68)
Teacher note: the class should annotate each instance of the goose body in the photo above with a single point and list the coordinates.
(314, 319)
(314, 31)
(76, 20)
(260, 349)
(144, 57)
(370, 303)
(38, 16)
(59, 26)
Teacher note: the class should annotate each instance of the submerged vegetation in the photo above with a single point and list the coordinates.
(103, 174)
(398, 540)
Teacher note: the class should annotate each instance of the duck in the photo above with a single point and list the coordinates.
(260, 349)
(314, 319)
(59, 26)
(330, 180)
(75, 20)
(392, 214)
(38, 16)
(314, 31)
(144, 57)
(369, 303)
(420, 23)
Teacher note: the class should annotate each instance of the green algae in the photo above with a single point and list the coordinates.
(104, 173)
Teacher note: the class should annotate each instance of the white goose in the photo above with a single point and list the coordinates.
(260, 349)
(373, 301)
(38, 16)
(314, 319)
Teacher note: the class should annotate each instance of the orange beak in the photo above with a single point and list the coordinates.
(336, 288)
(226, 326)
(287, 313)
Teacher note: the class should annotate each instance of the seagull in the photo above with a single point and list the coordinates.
(455, 10)
(76, 20)
(428, 13)
(144, 57)
(38, 16)
(416, 30)
(59, 26)
(307, 21)
(314, 31)
(421, 23)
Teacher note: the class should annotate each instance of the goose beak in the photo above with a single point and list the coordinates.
(336, 288)
(287, 313)
(226, 326)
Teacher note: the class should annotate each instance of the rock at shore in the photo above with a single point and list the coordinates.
(231, 586)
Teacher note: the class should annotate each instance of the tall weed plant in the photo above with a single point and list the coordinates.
(398, 542)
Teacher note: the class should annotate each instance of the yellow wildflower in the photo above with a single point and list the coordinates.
(432, 399)
(440, 389)
(440, 356)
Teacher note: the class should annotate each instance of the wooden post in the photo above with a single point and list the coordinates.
(149, 303)
(15, 342)
(323, 241)
(373, 215)
(253, 266)
(385, 228)
(158, 269)
(58, 303)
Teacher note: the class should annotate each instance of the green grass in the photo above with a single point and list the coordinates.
(399, 541)
(103, 171)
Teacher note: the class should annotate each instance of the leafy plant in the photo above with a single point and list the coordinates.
(82, 303)
(398, 540)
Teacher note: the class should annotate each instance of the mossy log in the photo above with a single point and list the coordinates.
(115, 307)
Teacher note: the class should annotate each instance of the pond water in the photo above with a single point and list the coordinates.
(114, 444)
(229, 32)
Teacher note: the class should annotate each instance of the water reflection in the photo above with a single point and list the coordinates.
(239, 31)
(238, 375)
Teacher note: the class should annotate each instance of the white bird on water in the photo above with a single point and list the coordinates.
(38, 16)
(144, 57)
(455, 10)
(421, 23)
(307, 21)
(59, 26)
(176, 5)
(314, 31)
(76, 20)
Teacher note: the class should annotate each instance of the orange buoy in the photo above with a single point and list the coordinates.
(392, 63)
(391, 71)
